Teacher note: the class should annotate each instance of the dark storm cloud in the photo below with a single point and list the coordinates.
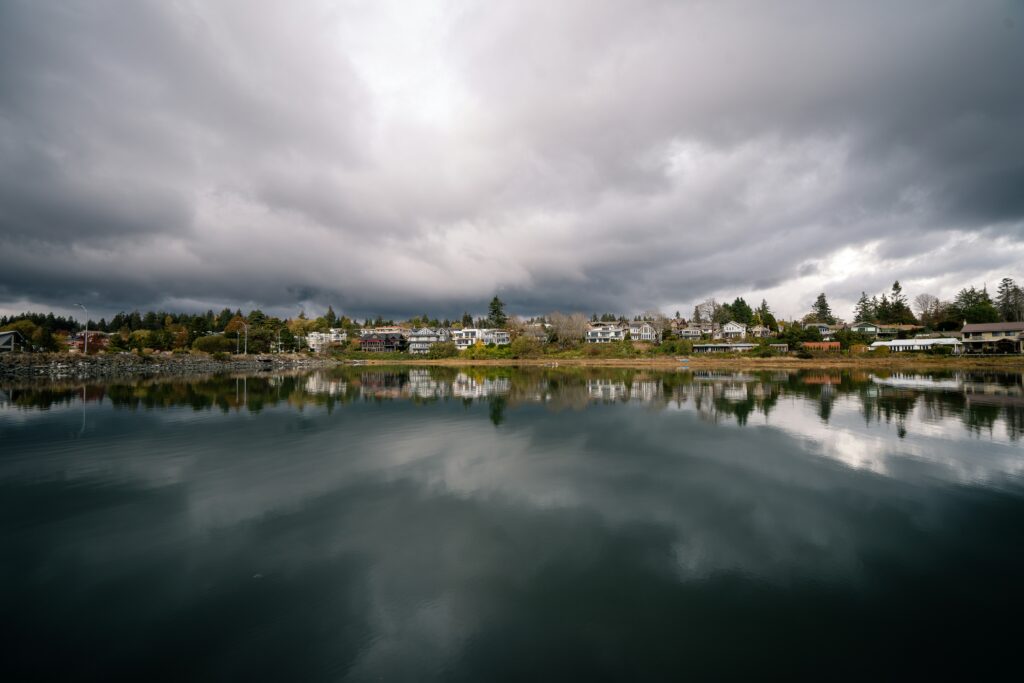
(595, 156)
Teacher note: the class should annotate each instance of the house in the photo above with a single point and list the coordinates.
(321, 341)
(538, 332)
(644, 331)
(734, 330)
(910, 345)
(420, 340)
(781, 348)
(723, 348)
(469, 336)
(759, 332)
(12, 340)
(690, 331)
(894, 331)
(993, 337)
(604, 333)
(97, 341)
(866, 328)
(376, 341)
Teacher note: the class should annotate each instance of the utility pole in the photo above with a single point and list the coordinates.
(85, 350)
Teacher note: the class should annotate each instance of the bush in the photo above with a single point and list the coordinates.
(940, 351)
(214, 343)
(804, 353)
(220, 355)
(443, 350)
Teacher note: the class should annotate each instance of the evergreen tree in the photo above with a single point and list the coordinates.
(496, 313)
(741, 311)
(467, 320)
(1010, 300)
(764, 316)
(974, 306)
(330, 317)
(864, 310)
(821, 311)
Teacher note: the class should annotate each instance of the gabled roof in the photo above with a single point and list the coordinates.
(994, 327)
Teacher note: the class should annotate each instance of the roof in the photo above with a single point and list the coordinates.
(994, 327)
(923, 343)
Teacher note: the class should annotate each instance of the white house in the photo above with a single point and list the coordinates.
(690, 331)
(734, 330)
(645, 331)
(759, 332)
(899, 345)
(603, 333)
(469, 336)
(320, 341)
(420, 340)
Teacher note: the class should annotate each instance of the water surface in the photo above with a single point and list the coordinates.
(501, 524)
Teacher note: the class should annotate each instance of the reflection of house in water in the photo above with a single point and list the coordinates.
(381, 385)
(423, 385)
(607, 389)
(644, 391)
(465, 386)
(319, 383)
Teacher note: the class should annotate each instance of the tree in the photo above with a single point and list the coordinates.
(764, 316)
(927, 306)
(897, 311)
(467, 320)
(329, 317)
(705, 311)
(568, 330)
(741, 311)
(974, 306)
(821, 311)
(1010, 300)
(864, 311)
(496, 313)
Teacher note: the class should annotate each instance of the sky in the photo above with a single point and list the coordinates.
(399, 158)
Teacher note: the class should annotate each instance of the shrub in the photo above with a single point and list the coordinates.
(214, 343)
(805, 354)
(443, 350)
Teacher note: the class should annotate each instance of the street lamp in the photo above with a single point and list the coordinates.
(246, 339)
(85, 350)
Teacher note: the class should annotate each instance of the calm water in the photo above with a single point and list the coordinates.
(513, 525)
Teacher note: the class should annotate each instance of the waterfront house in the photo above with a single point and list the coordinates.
(734, 330)
(644, 331)
(420, 340)
(895, 331)
(724, 348)
(866, 328)
(97, 341)
(759, 332)
(604, 333)
(539, 332)
(993, 337)
(321, 341)
(377, 341)
(690, 331)
(911, 345)
(469, 336)
(12, 340)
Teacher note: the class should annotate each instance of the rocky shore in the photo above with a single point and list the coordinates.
(77, 366)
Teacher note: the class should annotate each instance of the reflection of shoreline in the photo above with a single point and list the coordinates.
(980, 398)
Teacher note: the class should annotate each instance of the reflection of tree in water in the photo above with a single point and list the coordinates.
(979, 400)
(496, 410)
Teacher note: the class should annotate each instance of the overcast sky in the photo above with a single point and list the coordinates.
(409, 157)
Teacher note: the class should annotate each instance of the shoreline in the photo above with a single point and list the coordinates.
(1009, 363)
(75, 366)
(26, 366)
